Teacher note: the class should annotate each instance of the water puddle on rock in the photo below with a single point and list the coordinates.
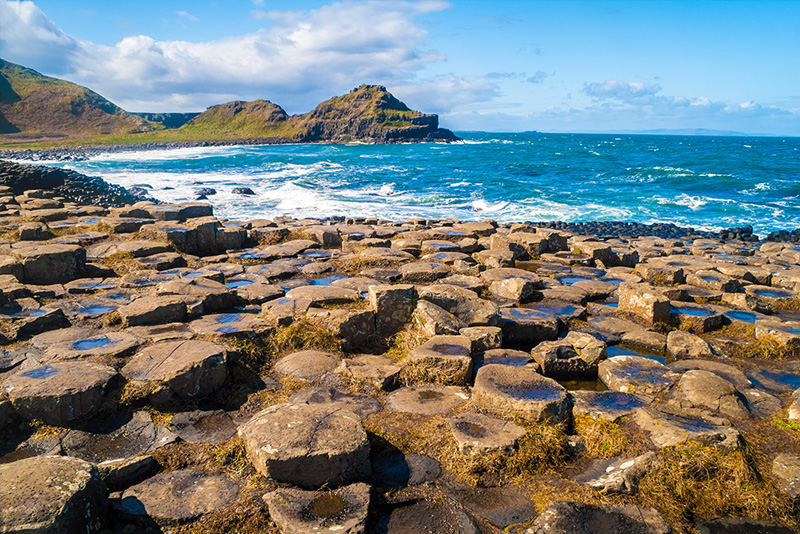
(41, 372)
(471, 429)
(456, 350)
(631, 350)
(569, 280)
(326, 280)
(96, 309)
(774, 293)
(691, 312)
(325, 506)
(747, 317)
(429, 395)
(238, 283)
(91, 344)
(227, 318)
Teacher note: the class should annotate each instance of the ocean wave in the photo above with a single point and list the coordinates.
(167, 154)
(683, 199)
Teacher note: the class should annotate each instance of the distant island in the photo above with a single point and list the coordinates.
(38, 110)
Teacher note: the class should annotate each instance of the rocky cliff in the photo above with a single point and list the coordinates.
(368, 113)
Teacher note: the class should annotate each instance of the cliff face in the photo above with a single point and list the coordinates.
(34, 104)
(368, 113)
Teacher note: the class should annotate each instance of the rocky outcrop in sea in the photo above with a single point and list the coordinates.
(166, 371)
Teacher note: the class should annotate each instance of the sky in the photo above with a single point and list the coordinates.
(500, 65)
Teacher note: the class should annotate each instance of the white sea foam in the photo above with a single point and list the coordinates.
(459, 184)
(692, 202)
(167, 154)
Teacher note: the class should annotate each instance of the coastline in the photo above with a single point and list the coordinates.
(184, 334)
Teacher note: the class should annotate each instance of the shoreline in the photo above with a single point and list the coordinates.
(29, 174)
(184, 339)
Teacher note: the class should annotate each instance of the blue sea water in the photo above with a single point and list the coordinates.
(708, 183)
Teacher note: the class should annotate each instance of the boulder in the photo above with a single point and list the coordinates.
(617, 475)
(516, 289)
(52, 494)
(505, 389)
(379, 371)
(527, 326)
(60, 393)
(308, 445)
(178, 369)
(636, 374)
(481, 434)
(355, 328)
(483, 337)
(463, 303)
(667, 428)
(153, 310)
(306, 364)
(786, 469)
(642, 301)
(176, 497)
(728, 372)
(214, 296)
(393, 306)
(579, 518)
(343, 510)
(441, 359)
(576, 355)
(434, 320)
(422, 272)
(608, 405)
(359, 403)
(683, 345)
(230, 324)
(426, 400)
(322, 295)
(51, 264)
(708, 390)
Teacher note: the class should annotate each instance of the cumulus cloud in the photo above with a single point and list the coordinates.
(443, 94)
(624, 91)
(301, 58)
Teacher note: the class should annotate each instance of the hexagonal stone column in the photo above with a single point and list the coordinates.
(300, 512)
(308, 445)
(183, 369)
(52, 494)
(60, 393)
(522, 391)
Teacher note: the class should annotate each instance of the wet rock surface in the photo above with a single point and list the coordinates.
(449, 371)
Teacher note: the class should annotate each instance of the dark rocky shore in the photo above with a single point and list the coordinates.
(165, 371)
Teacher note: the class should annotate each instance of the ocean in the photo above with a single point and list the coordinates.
(708, 183)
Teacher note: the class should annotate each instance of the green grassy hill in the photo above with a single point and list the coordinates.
(36, 106)
(367, 113)
(37, 110)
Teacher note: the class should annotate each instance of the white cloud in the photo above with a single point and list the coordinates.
(187, 15)
(259, 3)
(301, 58)
(625, 91)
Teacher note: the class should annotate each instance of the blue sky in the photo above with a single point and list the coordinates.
(557, 66)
